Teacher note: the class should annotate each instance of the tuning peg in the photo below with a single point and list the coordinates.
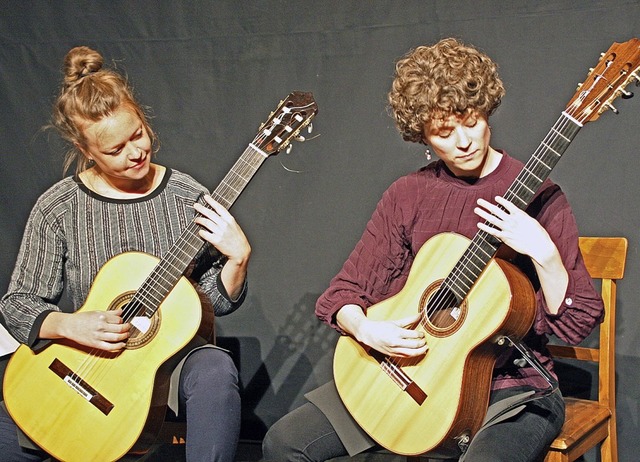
(300, 138)
(310, 128)
(626, 94)
(289, 148)
(612, 107)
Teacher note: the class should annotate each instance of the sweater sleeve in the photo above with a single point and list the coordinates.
(207, 274)
(582, 308)
(207, 265)
(37, 281)
(379, 264)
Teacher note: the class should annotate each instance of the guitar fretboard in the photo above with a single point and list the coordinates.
(538, 168)
(173, 265)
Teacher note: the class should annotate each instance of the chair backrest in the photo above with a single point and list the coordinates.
(605, 259)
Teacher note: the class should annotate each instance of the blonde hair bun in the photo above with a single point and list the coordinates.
(80, 62)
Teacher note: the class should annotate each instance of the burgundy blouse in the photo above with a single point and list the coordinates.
(432, 201)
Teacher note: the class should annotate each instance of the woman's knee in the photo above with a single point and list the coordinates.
(210, 367)
(304, 434)
(273, 444)
(280, 444)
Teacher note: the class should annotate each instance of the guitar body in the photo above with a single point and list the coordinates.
(132, 385)
(449, 386)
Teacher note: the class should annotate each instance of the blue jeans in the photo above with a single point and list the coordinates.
(305, 434)
(209, 395)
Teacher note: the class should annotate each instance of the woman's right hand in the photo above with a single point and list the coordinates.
(104, 330)
(392, 338)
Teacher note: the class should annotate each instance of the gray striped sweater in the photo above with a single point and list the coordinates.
(73, 231)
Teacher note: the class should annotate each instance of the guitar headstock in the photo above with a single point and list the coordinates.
(616, 69)
(284, 124)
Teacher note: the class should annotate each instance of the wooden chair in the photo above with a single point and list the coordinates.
(590, 422)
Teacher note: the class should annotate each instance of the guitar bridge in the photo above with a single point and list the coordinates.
(399, 377)
(81, 387)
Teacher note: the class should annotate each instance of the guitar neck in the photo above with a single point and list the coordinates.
(538, 168)
(280, 129)
(239, 176)
(173, 265)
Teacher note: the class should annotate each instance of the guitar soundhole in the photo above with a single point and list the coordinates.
(149, 326)
(442, 314)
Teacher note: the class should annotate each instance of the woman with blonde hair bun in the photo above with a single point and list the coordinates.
(119, 200)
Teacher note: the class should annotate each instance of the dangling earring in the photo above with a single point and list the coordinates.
(427, 152)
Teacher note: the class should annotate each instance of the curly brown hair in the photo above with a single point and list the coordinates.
(433, 82)
(88, 94)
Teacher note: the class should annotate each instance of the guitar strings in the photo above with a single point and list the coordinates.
(234, 182)
(458, 277)
(231, 186)
(145, 296)
(536, 166)
(443, 298)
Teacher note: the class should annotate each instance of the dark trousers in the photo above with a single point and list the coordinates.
(306, 435)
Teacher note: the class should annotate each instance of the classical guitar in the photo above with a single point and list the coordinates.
(469, 301)
(82, 404)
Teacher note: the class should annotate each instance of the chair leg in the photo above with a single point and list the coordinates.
(553, 456)
(609, 449)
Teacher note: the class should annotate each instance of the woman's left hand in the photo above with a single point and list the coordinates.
(221, 230)
(526, 236)
(515, 228)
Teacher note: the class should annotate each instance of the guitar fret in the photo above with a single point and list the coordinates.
(540, 161)
(522, 201)
(488, 254)
(230, 186)
(258, 150)
(464, 275)
(222, 200)
(557, 132)
(549, 148)
(526, 169)
(478, 268)
(247, 164)
(155, 299)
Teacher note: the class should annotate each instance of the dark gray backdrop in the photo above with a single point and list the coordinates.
(212, 72)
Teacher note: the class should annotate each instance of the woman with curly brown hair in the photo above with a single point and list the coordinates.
(442, 96)
(119, 200)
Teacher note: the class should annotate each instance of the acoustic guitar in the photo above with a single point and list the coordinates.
(81, 404)
(468, 300)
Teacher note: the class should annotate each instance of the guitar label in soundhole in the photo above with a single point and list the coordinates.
(145, 323)
(442, 314)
